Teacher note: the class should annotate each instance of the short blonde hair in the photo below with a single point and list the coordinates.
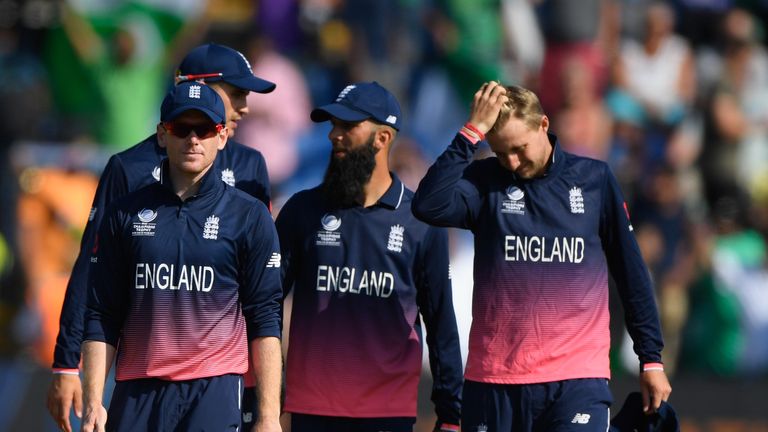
(522, 104)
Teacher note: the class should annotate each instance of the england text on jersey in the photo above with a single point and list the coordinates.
(349, 279)
(167, 276)
(543, 249)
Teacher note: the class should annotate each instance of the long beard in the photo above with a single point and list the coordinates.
(346, 177)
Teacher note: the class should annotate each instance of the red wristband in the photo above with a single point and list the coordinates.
(472, 127)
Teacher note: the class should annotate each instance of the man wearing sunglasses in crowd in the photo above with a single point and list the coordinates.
(227, 72)
(184, 271)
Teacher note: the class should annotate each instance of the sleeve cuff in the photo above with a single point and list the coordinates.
(469, 136)
(64, 371)
(645, 367)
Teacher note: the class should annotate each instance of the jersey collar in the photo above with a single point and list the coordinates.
(393, 197)
(556, 159)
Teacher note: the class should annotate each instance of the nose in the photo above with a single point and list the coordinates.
(240, 104)
(335, 134)
(513, 162)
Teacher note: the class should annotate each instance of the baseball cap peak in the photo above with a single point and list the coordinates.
(361, 101)
(213, 62)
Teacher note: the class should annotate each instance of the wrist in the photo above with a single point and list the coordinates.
(656, 366)
(474, 129)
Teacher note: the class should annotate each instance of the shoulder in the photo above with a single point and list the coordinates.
(140, 162)
(410, 219)
(241, 198)
(588, 172)
(585, 164)
(486, 165)
(139, 151)
(238, 151)
(307, 198)
(146, 197)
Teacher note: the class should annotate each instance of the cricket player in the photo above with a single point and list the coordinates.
(364, 273)
(229, 74)
(185, 277)
(550, 228)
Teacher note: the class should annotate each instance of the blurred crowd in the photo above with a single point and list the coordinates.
(673, 95)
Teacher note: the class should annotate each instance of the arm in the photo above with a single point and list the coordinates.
(287, 229)
(262, 182)
(261, 298)
(636, 292)
(65, 390)
(84, 39)
(435, 302)
(449, 195)
(97, 359)
(267, 366)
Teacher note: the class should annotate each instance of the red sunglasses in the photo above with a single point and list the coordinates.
(203, 130)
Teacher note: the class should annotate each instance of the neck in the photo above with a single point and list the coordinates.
(185, 184)
(380, 182)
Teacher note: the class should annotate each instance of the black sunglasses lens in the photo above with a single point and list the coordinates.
(206, 130)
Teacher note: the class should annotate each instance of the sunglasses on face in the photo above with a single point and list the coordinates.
(202, 130)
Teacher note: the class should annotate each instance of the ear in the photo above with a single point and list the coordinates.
(545, 123)
(384, 136)
(162, 135)
(223, 137)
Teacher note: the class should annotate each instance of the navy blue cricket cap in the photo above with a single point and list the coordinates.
(213, 62)
(362, 101)
(192, 96)
(632, 419)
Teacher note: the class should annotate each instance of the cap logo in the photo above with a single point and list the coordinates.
(391, 119)
(194, 92)
(346, 91)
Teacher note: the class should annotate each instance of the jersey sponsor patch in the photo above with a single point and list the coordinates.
(328, 235)
(145, 227)
(514, 202)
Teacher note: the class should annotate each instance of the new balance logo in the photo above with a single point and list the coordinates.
(274, 260)
(581, 418)
(194, 92)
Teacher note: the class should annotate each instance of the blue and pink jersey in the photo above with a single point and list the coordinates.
(362, 281)
(544, 250)
(128, 171)
(179, 287)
